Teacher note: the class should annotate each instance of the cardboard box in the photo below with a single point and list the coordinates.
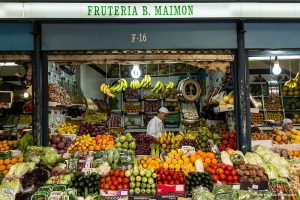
(164, 189)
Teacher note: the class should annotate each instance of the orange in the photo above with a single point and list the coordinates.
(214, 161)
(6, 148)
(91, 148)
(21, 159)
(8, 167)
(98, 137)
(210, 155)
(2, 168)
(207, 160)
(1, 162)
(193, 158)
(5, 171)
(2, 149)
(174, 162)
(13, 161)
(6, 162)
(97, 147)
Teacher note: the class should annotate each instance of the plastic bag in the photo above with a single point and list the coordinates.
(202, 193)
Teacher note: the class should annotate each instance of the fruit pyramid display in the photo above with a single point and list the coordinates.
(169, 141)
(171, 94)
(204, 136)
(126, 141)
(294, 136)
(279, 137)
(273, 103)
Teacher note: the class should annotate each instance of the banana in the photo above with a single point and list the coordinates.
(102, 87)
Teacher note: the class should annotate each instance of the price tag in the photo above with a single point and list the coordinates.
(255, 187)
(236, 187)
(179, 188)
(88, 171)
(124, 192)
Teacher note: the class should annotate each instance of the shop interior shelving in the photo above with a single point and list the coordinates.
(263, 94)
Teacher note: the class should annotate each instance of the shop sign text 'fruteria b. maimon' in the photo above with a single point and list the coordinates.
(149, 10)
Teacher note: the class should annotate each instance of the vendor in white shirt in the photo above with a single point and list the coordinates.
(156, 125)
(287, 125)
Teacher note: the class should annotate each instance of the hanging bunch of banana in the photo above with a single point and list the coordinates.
(158, 88)
(104, 88)
(119, 87)
(170, 85)
(293, 82)
(146, 82)
(135, 84)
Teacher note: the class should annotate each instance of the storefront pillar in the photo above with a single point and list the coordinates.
(241, 88)
(40, 90)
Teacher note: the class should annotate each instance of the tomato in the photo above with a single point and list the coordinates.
(222, 177)
(158, 177)
(112, 187)
(163, 177)
(220, 171)
(230, 168)
(215, 178)
(125, 180)
(119, 179)
(106, 186)
(122, 174)
(116, 173)
(102, 180)
(177, 182)
(107, 178)
(171, 182)
(116, 183)
(169, 178)
(181, 180)
(229, 178)
(233, 173)
(235, 178)
(224, 166)
(235, 182)
(224, 182)
(159, 183)
(171, 173)
(125, 186)
(212, 171)
(111, 173)
(166, 182)
(113, 178)
(119, 187)
(226, 172)
(101, 185)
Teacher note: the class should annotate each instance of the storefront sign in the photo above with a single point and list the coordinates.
(149, 10)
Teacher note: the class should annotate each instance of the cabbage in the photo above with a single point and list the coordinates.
(258, 147)
(271, 171)
(226, 158)
(283, 161)
(282, 171)
(254, 159)
(50, 159)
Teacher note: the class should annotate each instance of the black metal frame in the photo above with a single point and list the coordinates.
(240, 71)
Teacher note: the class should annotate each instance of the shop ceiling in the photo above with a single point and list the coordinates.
(218, 60)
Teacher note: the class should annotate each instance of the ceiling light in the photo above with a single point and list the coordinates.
(8, 64)
(26, 94)
(276, 67)
(135, 72)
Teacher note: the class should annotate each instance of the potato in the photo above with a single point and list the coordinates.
(242, 167)
(246, 173)
(264, 178)
(257, 180)
(240, 172)
(260, 173)
(251, 180)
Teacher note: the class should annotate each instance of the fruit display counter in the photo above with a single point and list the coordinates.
(106, 166)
